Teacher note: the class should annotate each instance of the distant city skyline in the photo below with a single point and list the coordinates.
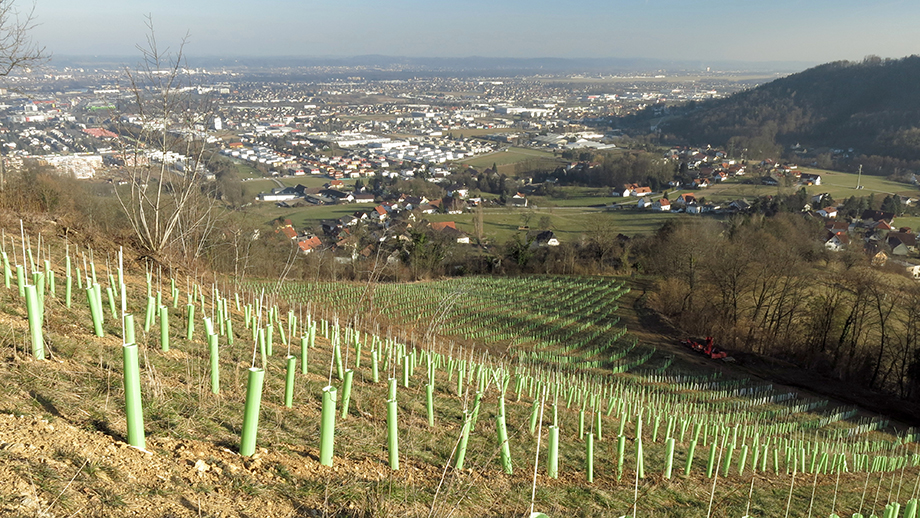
(706, 30)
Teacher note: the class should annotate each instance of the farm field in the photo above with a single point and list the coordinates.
(839, 185)
(463, 396)
(512, 155)
(570, 224)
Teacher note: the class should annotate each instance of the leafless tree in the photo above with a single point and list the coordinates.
(164, 201)
(17, 49)
(18, 52)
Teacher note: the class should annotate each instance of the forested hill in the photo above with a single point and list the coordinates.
(872, 106)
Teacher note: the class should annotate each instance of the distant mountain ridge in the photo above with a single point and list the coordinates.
(872, 106)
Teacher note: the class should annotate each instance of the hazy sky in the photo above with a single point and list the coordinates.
(748, 30)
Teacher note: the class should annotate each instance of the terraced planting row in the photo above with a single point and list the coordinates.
(347, 389)
(563, 321)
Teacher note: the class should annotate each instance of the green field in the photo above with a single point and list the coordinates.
(581, 209)
(912, 222)
(252, 188)
(570, 224)
(513, 155)
(475, 132)
(839, 185)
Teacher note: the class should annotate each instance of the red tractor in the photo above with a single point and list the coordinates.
(708, 348)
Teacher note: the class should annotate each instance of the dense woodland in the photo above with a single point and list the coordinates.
(764, 285)
(871, 107)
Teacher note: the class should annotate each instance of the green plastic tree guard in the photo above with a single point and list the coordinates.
(669, 456)
(429, 403)
(110, 295)
(95, 310)
(303, 354)
(128, 322)
(597, 426)
(504, 446)
(190, 323)
(339, 365)
(229, 325)
(35, 322)
(589, 458)
(464, 439)
(712, 459)
(327, 426)
(134, 410)
(534, 416)
(21, 280)
(290, 365)
(68, 291)
(149, 315)
(392, 434)
(214, 355)
(690, 451)
(375, 367)
(251, 414)
(477, 401)
(552, 465)
(164, 328)
(640, 459)
(349, 377)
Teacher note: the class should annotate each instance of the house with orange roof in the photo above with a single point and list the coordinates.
(309, 245)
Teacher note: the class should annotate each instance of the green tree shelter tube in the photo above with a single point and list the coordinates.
(68, 291)
(290, 365)
(690, 451)
(110, 295)
(128, 322)
(35, 322)
(464, 439)
(21, 280)
(327, 426)
(134, 410)
(150, 313)
(251, 413)
(303, 354)
(95, 310)
(375, 367)
(190, 324)
(164, 328)
(348, 380)
(589, 457)
(552, 466)
(214, 354)
(669, 456)
(504, 446)
(429, 403)
(392, 435)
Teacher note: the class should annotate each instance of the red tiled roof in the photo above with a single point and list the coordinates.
(289, 232)
(100, 133)
(441, 225)
(309, 244)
